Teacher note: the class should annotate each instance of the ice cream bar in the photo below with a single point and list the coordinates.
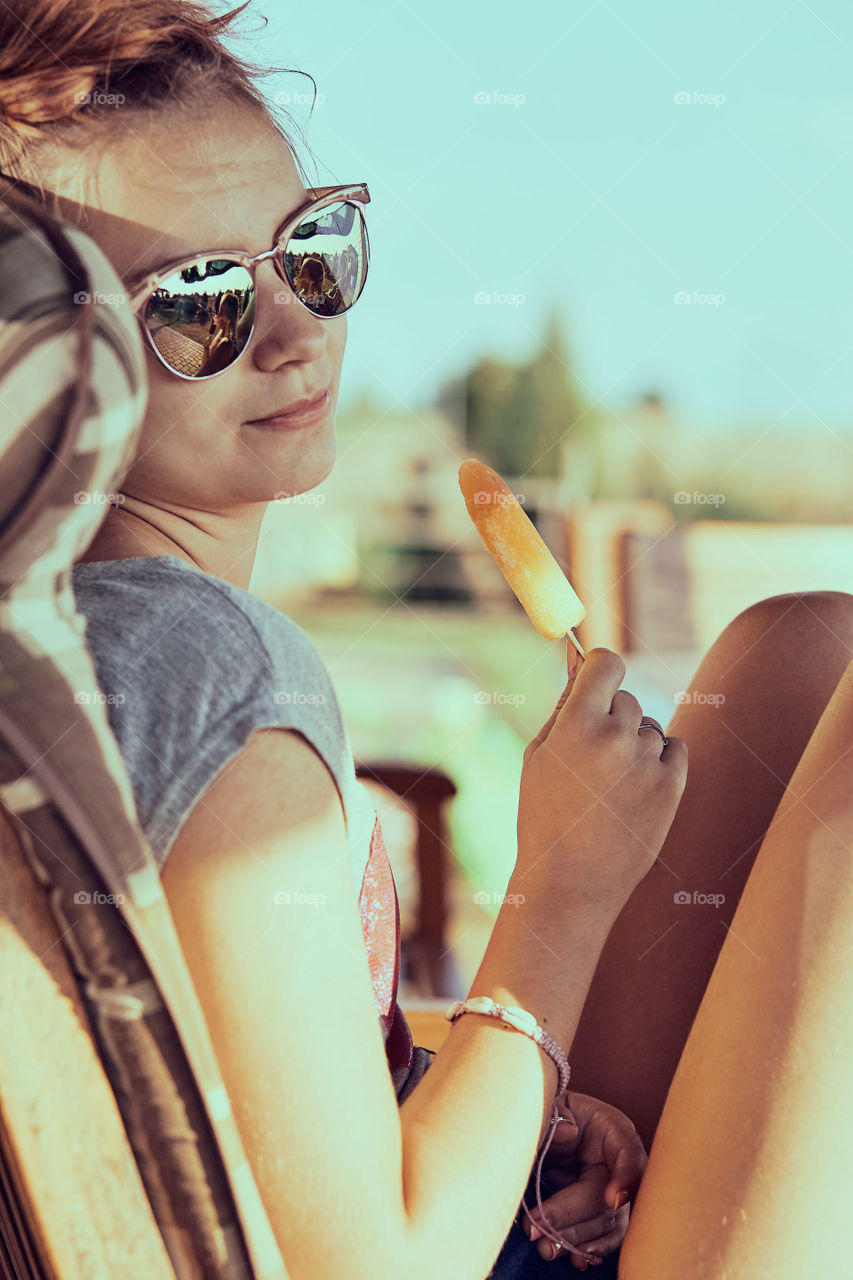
(520, 553)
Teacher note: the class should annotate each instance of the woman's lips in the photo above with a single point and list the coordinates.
(312, 412)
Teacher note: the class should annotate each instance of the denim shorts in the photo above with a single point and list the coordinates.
(519, 1259)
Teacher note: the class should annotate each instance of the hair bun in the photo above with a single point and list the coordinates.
(64, 60)
(27, 102)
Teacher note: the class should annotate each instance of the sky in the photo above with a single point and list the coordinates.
(673, 180)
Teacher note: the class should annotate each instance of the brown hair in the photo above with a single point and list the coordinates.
(66, 64)
(314, 271)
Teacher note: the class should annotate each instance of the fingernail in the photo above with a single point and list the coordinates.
(535, 1225)
(622, 1198)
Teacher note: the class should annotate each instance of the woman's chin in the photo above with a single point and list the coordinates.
(295, 471)
(301, 482)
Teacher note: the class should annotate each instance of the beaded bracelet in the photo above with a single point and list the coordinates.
(521, 1020)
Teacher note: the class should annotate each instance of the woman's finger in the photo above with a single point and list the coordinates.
(602, 1227)
(655, 732)
(573, 659)
(580, 1202)
(603, 1246)
(608, 1225)
(627, 1165)
(599, 677)
(626, 709)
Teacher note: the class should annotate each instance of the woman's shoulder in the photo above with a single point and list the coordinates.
(189, 666)
(168, 608)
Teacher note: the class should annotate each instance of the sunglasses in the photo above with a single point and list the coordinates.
(198, 313)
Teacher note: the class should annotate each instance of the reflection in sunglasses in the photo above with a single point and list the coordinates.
(196, 332)
(200, 319)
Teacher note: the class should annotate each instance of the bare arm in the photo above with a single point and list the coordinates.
(353, 1184)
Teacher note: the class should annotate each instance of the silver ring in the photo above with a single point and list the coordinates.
(647, 723)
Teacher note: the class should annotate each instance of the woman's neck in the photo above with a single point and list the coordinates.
(127, 533)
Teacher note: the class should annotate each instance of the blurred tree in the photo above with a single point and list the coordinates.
(521, 417)
(554, 415)
(482, 401)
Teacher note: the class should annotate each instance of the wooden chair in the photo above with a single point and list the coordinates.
(426, 958)
(119, 1155)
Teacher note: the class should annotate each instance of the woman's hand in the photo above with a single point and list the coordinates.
(597, 1163)
(598, 795)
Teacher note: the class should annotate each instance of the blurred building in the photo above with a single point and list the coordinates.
(665, 531)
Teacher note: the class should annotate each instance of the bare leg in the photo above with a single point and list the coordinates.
(752, 1164)
(776, 665)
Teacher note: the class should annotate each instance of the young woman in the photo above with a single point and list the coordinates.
(220, 344)
(370, 1164)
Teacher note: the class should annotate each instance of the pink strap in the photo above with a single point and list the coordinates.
(485, 1005)
(542, 1225)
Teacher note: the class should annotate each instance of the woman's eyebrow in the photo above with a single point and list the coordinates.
(151, 264)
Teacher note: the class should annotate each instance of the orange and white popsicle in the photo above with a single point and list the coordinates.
(520, 553)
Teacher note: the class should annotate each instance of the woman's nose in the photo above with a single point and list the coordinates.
(284, 329)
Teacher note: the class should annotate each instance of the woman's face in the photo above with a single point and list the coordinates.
(226, 181)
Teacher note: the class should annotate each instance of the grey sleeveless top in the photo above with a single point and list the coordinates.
(189, 666)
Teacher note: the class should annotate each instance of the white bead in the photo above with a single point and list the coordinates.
(521, 1020)
(512, 1015)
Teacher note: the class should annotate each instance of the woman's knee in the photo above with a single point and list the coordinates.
(823, 617)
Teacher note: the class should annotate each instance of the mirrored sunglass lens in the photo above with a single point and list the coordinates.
(200, 318)
(326, 259)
